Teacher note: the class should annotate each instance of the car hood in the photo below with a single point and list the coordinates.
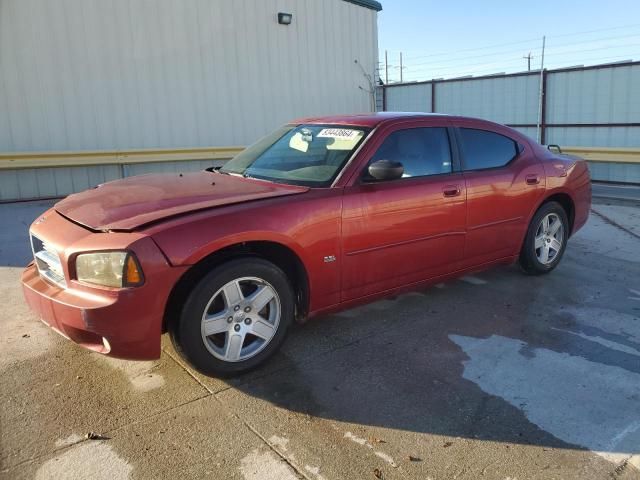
(135, 201)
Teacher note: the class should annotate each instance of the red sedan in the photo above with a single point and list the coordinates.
(321, 215)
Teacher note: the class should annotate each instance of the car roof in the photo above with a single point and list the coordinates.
(365, 119)
(372, 120)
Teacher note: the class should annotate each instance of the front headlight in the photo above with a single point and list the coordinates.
(111, 269)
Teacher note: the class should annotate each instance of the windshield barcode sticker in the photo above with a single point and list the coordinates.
(345, 133)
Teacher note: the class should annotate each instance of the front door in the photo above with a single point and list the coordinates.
(402, 231)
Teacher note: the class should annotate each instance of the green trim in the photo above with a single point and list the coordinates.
(372, 4)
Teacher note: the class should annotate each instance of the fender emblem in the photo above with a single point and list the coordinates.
(329, 258)
(40, 220)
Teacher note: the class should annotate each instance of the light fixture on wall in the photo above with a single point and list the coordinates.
(285, 18)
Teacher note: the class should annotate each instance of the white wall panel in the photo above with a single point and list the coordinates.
(594, 136)
(604, 95)
(52, 182)
(125, 74)
(531, 132)
(615, 172)
(409, 98)
(501, 99)
(58, 182)
(170, 167)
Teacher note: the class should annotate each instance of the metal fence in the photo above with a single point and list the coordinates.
(596, 106)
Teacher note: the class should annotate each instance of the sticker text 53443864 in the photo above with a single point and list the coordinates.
(343, 133)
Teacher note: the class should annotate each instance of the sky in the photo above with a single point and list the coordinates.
(447, 39)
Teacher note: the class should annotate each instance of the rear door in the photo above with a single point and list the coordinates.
(503, 180)
(403, 231)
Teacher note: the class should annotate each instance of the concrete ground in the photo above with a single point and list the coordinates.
(496, 375)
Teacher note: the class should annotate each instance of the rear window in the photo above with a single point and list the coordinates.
(483, 149)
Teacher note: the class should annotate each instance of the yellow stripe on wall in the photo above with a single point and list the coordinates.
(22, 160)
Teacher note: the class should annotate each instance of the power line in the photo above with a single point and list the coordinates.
(496, 70)
(504, 52)
(499, 64)
(496, 64)
(470, 57)
(606, 47)
(507, 58)
(597, 30)
(519, 42)
(598, 40)
(473, 49)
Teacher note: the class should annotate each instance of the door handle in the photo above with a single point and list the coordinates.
(451, 190)
(533, 179)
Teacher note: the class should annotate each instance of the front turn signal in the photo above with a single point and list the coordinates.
(133, 275)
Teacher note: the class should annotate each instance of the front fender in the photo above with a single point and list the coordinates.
(309, 226)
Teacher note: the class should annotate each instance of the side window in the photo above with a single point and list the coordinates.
(484, 149)
(422, 151)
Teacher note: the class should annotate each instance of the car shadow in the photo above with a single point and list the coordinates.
(499, 357)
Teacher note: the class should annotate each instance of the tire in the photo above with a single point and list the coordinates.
(536, 259)
(222, 329)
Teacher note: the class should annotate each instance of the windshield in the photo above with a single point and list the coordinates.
(310, 155)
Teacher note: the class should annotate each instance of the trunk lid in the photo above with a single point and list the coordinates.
(132, 202)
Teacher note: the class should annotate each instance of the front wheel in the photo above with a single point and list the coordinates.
(546, 239)
(235, 318)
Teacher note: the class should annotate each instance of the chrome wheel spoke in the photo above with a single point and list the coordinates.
(544, 254)
(233, 346)
(545, 224)
(555, 245)
(263, 329)
(539, 242)
(262, 296)
(232, 293)
(213, 324)
(555, 226)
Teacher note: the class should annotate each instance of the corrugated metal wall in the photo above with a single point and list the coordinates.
(52, 182)
(32, 183)
(124, 74)
(603, 96)
(505, 100)
(409, 98)
(594, 136)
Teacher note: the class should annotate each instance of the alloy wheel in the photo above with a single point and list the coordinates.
(549, 238)
(240, 319)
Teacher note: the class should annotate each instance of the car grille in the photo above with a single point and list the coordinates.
(48, 262)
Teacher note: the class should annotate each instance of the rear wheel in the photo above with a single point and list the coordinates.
(546, 239)
(235, 318)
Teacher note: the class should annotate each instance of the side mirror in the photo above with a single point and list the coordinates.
(386, 170)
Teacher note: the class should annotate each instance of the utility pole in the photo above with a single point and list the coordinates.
(528, 58)
(541, 99)
(401, 67)
(386, 68)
